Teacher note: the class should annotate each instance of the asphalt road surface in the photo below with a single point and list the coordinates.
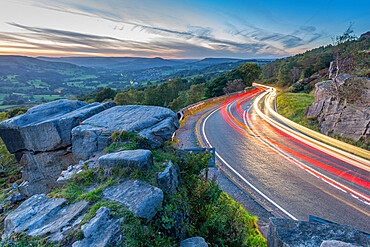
(290, 176)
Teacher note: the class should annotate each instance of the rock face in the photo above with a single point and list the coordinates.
(100, 231)
(335, 243)
(286, 232)
(41, 140)
(141, 198)
(140, 159)
(169, 178)
(153, 122)
(339, 117)
(39, 215)
(41, 170)
(194, 242)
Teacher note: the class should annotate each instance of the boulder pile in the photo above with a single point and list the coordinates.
(51, 137)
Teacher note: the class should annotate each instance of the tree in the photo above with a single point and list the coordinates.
(196, 93)
(233, 86)
(105, 94)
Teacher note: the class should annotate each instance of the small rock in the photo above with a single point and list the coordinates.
(139, 158)
(194, 242)
(14, 198)
(68, 174)
(14, 186)
(335, 243)
(141, 198)
(169, 178)
(100, 231)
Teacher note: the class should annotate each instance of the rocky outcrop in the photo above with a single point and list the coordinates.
(41, 140)
(93, 135)
(141, 198)
(48, 126)
(286, 232)
(139, 159)
(51, 137)
(39, 215)
(338, 117)
(100, 231)
(194, 242)
(169, 178)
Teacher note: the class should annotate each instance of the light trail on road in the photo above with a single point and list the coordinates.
(253, 121)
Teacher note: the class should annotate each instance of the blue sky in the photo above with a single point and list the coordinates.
(175, 29)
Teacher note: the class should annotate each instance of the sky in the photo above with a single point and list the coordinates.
(175, 29)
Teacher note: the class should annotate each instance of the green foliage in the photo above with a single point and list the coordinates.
(15, 112)
(195, 93)
(248, 73)
(105, 94)
(22, 240)
(293, 106)
(127, 141)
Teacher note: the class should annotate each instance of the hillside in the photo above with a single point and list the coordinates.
(31, 80)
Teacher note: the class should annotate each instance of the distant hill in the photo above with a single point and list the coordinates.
(45, 78)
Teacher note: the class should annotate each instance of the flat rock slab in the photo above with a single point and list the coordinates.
(48, 126)
(286, 232)
(100, 231)
(153, 122)
(139, 159)
(194, 242)
(141, 198)
(40, 215)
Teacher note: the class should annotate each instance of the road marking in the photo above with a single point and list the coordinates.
(323, 177)
(240, 176)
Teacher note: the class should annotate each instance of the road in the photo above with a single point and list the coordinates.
(291, 176)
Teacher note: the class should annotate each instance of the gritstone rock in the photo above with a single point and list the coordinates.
(48, 126)
(100, 231)
(39, 215)
(169, 178)
(153, 122)
(194, 242)
(286, 232)
(141, 198)
(140, 159)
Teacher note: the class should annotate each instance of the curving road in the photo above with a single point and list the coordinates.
(288, 174)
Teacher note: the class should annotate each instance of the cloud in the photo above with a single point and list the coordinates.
(199, 42)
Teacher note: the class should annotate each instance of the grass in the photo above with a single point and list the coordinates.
(293, 106)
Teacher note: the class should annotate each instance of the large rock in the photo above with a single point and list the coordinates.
(153, 122)
(48, 126)
(194, 242)
(141, 198)
(286, 232)
(41, 170)
(169, 178)
(139, 159)
(339, 117)
(40, 215)
(100, 231)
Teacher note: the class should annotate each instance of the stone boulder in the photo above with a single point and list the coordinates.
(100, 231)
(335, 243)
(39, 215)
(153, 122)
(141, 198)
(194, 242)
(48, 126)
(169, 178)
(287, 232)
(139, 159)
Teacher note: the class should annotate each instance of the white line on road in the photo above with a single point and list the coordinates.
(240, 176)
